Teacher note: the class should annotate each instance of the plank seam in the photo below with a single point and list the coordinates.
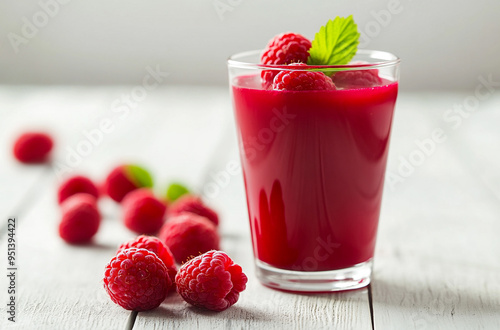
(370, 303)
(131, 320)
(28, 199)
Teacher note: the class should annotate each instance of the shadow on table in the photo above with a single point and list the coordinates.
(234, 312)
(175, 308)
(347, 295)
(93, 246)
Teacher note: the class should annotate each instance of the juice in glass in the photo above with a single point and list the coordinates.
(313, 164)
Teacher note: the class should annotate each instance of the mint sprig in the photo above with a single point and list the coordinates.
(336, 43)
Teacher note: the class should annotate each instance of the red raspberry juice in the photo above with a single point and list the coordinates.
(313, 165)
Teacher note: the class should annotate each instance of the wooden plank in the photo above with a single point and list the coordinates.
(437, 261)
(60, 286)
(17, 183)
(171, 133)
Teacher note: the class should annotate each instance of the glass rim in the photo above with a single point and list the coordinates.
(387, 59)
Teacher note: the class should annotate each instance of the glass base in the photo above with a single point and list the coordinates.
(354, 277)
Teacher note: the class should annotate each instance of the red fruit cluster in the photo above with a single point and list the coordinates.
(137, 279)
(293, 49)
(144, 270)
(81, 218)
(284, 49)
(74, 185)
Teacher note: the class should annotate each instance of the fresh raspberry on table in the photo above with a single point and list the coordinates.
(302, 80)
(137, 279)
(211, 280)
(33, 147)
(193, 204)
(80, 218)
(155, 245)
(188, 235)
(74, 185)
(124, 179)
(143, 213)
(284, 49)
(357, 79)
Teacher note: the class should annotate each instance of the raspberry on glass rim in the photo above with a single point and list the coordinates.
(302, 80)
(285, 48)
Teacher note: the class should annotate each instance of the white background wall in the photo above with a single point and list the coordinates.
(444, 44)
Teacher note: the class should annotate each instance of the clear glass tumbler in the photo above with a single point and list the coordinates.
(313, 164)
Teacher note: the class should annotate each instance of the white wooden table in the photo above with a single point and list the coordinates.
(437, 262)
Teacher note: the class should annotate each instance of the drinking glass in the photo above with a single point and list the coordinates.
(313, 165)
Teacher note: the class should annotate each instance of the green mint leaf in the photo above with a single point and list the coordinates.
(139, 176)
(176, 190)
(336, 43)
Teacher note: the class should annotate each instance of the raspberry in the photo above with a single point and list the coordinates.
(212, 281)
(357, 79)
(80, 218)
(74, 185)
(189, 235)
(156, 246)
(33, 147)
(284, 49)
(125, 178)
(302, 80)
(193, 204)
(137, 279)
(143, 213)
